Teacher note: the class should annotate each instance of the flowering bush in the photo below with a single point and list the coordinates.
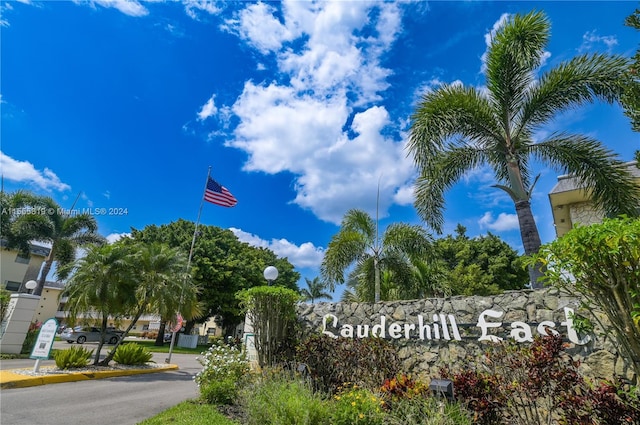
(224, 371)
(30, 339)
(355, 405)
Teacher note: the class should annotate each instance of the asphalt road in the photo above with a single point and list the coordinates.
(125, 400)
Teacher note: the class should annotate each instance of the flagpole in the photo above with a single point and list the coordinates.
(193, 243)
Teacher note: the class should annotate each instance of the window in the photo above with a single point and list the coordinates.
(22, 260)
(13, 286)
(145, 327)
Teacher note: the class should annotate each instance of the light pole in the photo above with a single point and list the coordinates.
(30, 285)
(271, 274)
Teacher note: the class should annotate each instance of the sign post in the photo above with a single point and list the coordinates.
(42, 347)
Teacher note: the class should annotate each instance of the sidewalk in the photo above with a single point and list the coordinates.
(12, 378)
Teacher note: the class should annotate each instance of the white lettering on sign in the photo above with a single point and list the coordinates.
(446, 327)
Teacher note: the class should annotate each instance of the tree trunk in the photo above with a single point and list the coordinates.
(45, 272)
(530, 240)
(376, 274)
(160, 338)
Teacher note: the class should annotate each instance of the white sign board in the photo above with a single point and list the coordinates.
(46, 336)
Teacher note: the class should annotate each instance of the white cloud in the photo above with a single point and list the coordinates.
(323, 125)
(305, 255)
(128, 7)
(192, 7)
(503, 223)
(208, 109)
(25, 172)
(591, 38)
(113, 237)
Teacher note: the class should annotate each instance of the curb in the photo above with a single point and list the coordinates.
(10, 379)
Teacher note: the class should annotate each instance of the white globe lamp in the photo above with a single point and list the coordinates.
(271, 274)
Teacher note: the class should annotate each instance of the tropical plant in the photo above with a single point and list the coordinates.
(366, 362)
(132, 354)
(358, 242)
(456, 128)
(49, 223)
(102, 286)
(631, 96)
(315, 290)
(74, 357)
(221, 266)
(601, 264)
(162, 285)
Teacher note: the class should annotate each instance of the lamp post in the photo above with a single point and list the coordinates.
(30, 285)
(271, 274)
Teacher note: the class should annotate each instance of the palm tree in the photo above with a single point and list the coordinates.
(50, 223)
(162, 285)
(314, 290)
(457, 128)
(101, 286)
(358, 242)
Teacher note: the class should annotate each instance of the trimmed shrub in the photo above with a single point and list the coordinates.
(271, 311)
(74, 357)
(366, 362)
(132, 354)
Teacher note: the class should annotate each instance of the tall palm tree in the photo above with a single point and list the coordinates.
(357, 242)
(315, 290)
(101, 286)
(457, 128)
(51, 224)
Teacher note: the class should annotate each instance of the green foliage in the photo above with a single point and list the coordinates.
(537, 383)
(366, 362)
(132, 354)
(427, 411)
(74, 357)
(5, 297)
(631, 96)
(456, 129)
(315, 290)
(484, 265)
(222, 265)
(30, 338)
(271, 311)
(279, 400)
(358, 243)
(355, 405)
(601, 263)
(225, 369)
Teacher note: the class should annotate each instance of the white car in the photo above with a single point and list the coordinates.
(82, 334)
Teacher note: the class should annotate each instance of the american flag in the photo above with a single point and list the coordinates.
(218, 194)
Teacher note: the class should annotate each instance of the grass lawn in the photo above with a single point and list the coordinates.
(190, 413)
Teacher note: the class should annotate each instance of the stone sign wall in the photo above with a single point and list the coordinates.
(431, 333)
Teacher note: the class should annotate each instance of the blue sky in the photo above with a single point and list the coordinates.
(300, 108)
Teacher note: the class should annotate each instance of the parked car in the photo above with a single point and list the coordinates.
(82, 334)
